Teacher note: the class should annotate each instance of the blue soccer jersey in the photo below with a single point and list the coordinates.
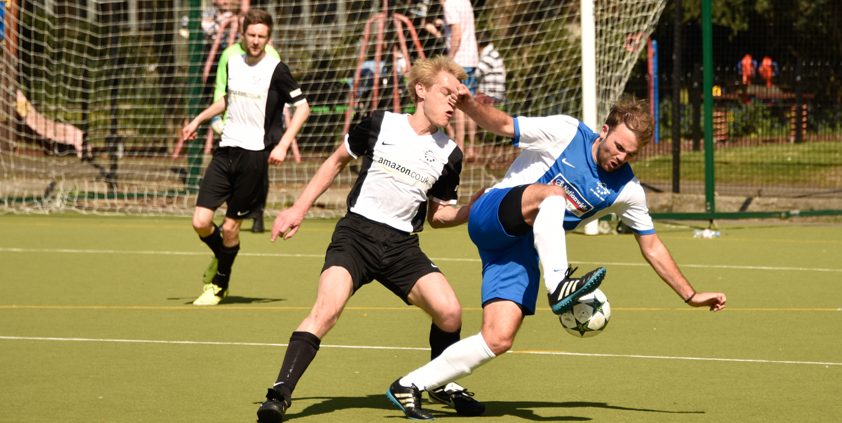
(557, 150)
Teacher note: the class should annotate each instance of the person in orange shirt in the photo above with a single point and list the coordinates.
(768, 68)
(747, 68)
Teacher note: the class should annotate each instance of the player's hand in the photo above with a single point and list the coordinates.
(188, 132)
(463, 95)
(278, 154)
(715, 301)
(287, 223)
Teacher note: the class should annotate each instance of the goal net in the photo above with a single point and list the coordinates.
(94, 92)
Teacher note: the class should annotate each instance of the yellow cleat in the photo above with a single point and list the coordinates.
(211, 295)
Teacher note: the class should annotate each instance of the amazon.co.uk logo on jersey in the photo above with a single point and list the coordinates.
(397, 167)
(576, 202)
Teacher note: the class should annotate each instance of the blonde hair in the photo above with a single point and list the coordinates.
(425, 71)
(635, 114)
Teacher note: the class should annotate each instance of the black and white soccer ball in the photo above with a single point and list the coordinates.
(589, 315)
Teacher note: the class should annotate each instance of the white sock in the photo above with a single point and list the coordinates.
(458, 360)
(550, 240)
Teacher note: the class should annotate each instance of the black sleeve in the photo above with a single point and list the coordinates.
(282, 90)
(363, 135)
(446, 187)
(284, 86)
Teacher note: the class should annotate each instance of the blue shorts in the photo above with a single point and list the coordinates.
(510, 268)
(471, 81)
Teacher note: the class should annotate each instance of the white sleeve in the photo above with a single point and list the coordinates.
(451, 13)
(544, 133)
(632, 208)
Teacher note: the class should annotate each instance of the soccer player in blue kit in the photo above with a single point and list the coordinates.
(566, 174)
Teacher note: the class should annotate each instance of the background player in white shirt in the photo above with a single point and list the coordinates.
(253, 137)
(410, 171)
(566, 174)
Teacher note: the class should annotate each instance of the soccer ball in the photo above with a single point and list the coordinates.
(589, 315)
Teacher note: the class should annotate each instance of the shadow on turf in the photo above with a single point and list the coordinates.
(232, 299)
(521, 409)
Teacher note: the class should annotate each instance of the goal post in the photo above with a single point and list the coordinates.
(111, 82)
(589, 81)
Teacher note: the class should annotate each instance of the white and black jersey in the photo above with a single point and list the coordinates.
(401, 170)
(256, 97)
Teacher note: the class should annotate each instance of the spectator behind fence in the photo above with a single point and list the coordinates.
(490, 73)
(462, 48)
(767, 70)
(747, 67)
(426, 17)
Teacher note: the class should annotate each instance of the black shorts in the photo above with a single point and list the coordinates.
(370, 250)
(237, 177)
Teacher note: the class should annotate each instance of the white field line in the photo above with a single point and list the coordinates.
(392, 348)
(231, 308)
(443, 259)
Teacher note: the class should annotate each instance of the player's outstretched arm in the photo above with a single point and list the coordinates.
(289, 220)
(656, 253)
(486, 116)
(444, 216)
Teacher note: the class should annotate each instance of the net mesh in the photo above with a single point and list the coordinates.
(94, 93)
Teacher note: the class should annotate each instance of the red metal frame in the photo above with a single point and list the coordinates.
(398, 21)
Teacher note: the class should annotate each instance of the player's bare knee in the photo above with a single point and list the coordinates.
(498, 344)
(321, 322)
(450, 320)
(202, 226)
(231, 233)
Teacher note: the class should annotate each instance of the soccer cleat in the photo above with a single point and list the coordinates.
(212, 294)
(207, 277)
(408, 400)
(459, 398)
(571, 289)
(272, 410)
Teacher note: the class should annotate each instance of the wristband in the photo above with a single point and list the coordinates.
(690, 298)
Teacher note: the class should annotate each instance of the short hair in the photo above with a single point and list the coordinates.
(257, 16)
(425, 71)
(635, 114)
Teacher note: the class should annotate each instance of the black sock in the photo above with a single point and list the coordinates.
(440, 340)
(226, 260)
(214, 241)
(300, 352)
